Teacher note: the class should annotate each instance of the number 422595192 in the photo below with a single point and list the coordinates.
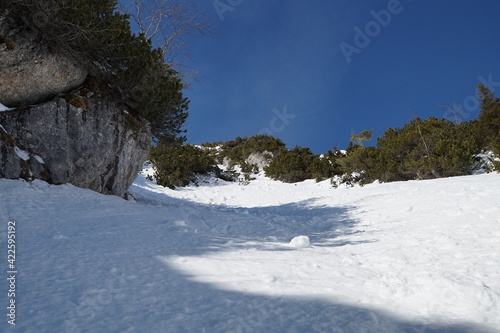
(11, 240)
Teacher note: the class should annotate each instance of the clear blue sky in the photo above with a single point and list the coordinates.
(286, 56)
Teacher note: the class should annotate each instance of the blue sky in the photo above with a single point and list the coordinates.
(277, 66)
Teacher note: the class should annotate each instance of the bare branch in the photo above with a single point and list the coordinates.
(169, 24)
(455, 110)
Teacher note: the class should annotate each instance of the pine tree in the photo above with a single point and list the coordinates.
(489, 118)
(291, 166)
(178, 165)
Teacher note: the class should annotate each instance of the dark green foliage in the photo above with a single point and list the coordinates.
(236, 152)
(291, 166)
(361, 138)
(212, 145)
(239, 149)
(299, 164)
(446, 149)
(100, 37)
(496, 154)
(325, 166)
(360, 165)
(320, 168)
(247, 170)
(178, 165)
(489, 118)
(422, 149)
(82, 28)
(158, 98)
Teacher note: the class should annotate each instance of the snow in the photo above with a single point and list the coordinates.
(4, 108)
(39, 159)
(300, 242)
(21, 154)
(418, 256)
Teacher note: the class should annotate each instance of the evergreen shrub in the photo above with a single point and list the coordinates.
(300, 163)
(178, 165)
(421, 149)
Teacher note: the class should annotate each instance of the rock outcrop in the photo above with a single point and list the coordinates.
(260, 159)
(96, 145)
(29, 72)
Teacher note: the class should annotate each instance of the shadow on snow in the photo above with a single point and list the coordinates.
(102, 276)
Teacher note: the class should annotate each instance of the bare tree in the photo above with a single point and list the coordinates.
(454, 110)
(169, 24)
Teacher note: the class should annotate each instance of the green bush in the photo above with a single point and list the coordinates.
(495, 160)
(436, 148)
(326, 166)
(291, 166)
(489, 117)
(489, 124)
(422, 149)
(239, 149)
(299, 164)
(178, 165)
(360, 165)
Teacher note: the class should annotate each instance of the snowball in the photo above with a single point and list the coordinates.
(300, 242)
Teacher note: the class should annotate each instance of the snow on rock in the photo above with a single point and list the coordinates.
(39, 159)
(4, 108)
(260, 159)
(300, 242)
(21, 154)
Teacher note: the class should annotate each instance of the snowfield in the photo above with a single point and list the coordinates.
(418, 256)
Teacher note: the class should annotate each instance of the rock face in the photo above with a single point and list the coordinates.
(88, 143)
(260, 159)
(29, 72)
(99, 147)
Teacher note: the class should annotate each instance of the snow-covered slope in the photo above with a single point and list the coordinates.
(420, 256)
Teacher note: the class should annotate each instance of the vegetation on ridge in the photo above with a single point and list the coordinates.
(421, 149)
(99, 36)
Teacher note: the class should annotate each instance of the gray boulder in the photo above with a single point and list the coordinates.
(98, 146)
(29, 72)
(260, 159)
